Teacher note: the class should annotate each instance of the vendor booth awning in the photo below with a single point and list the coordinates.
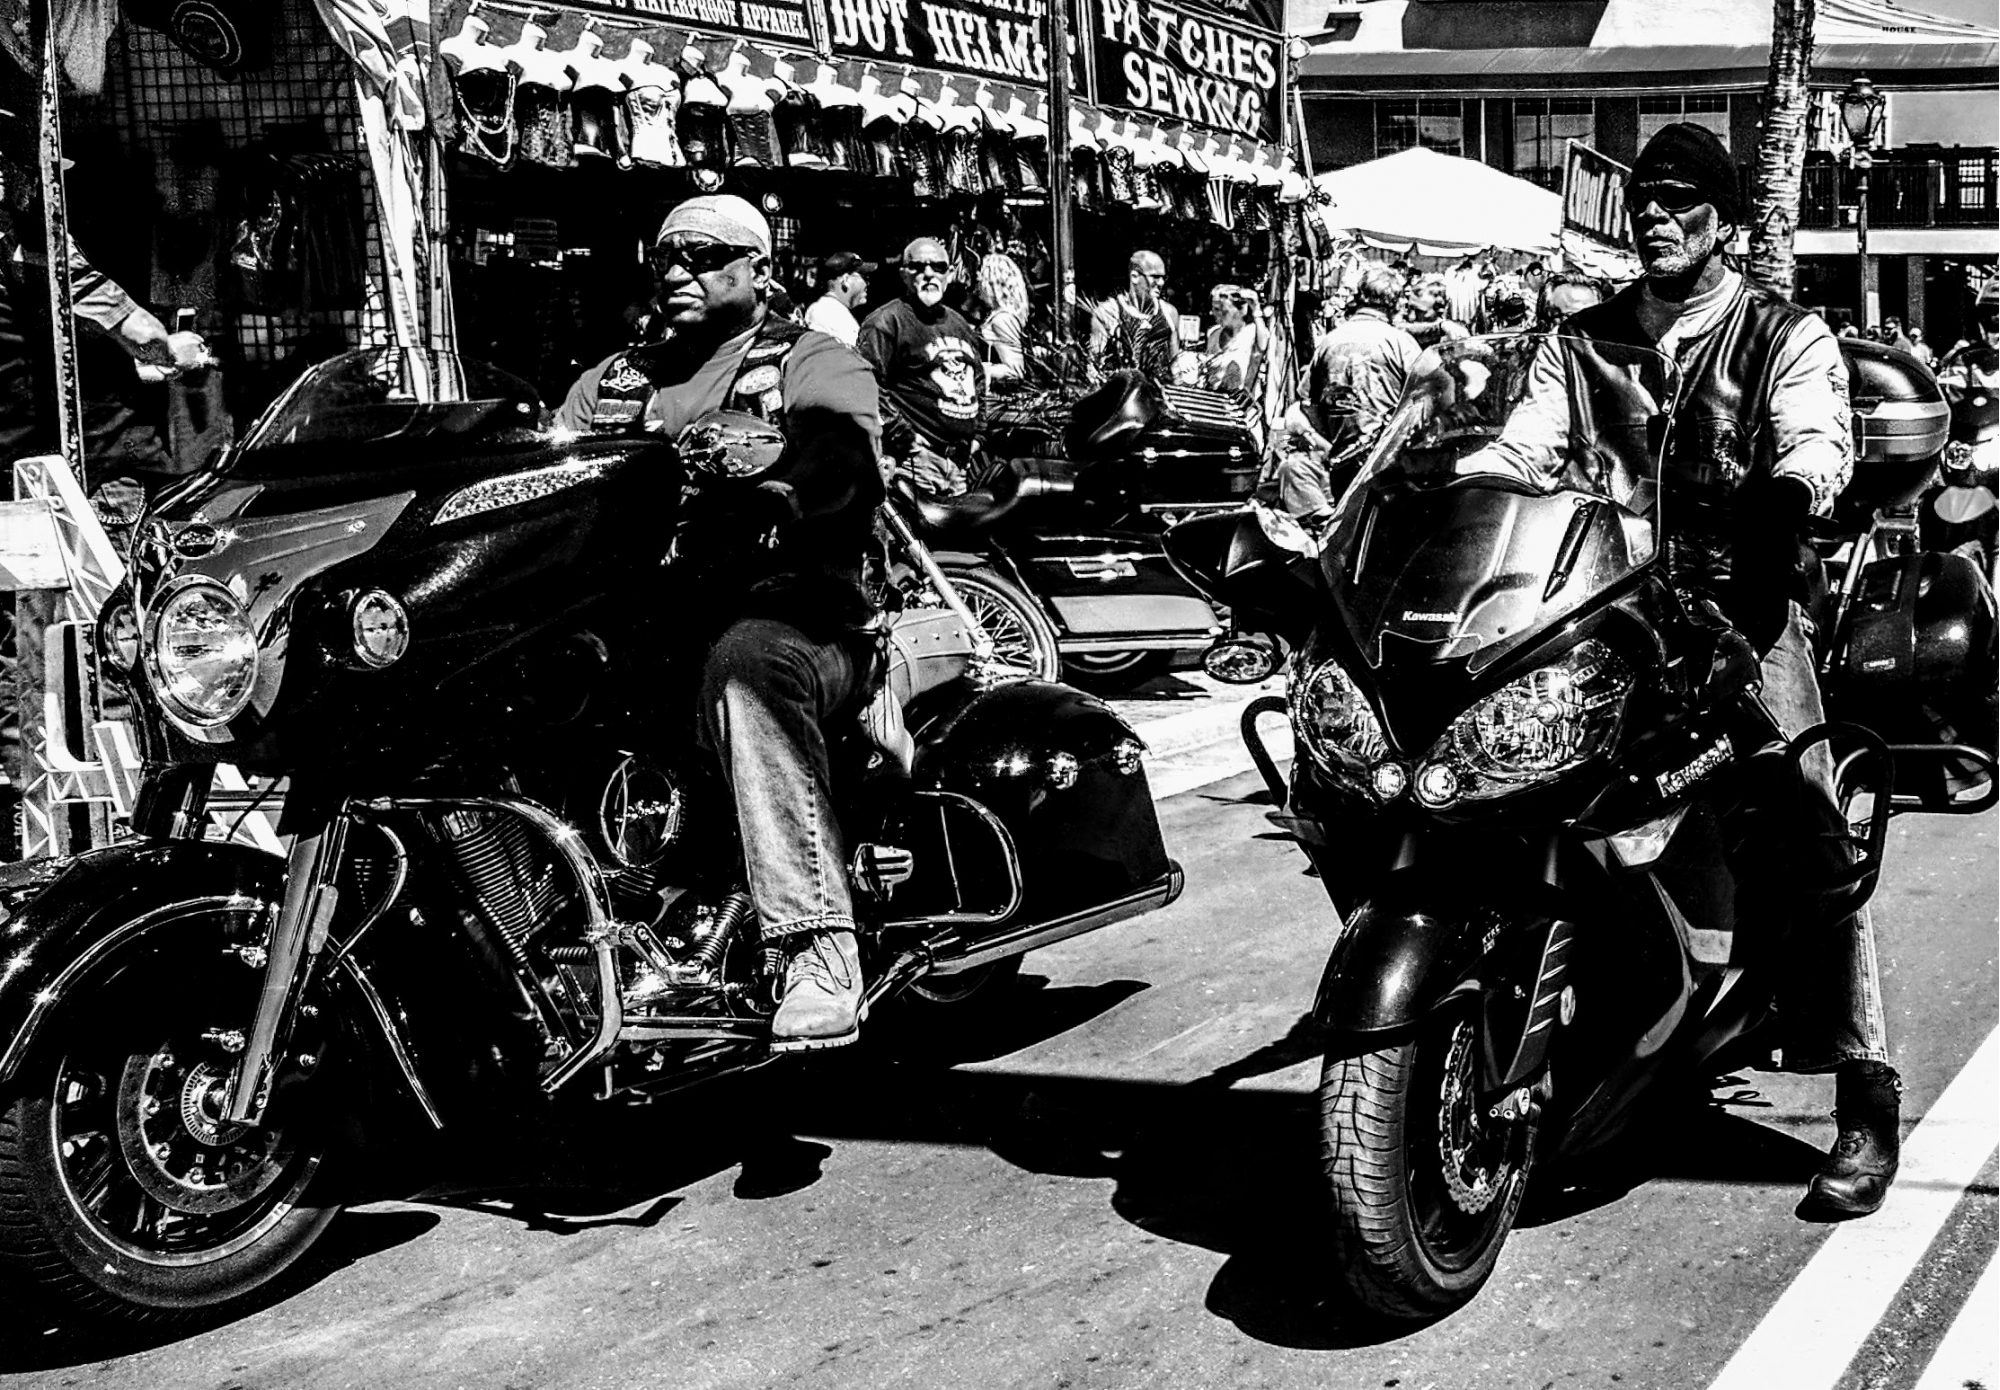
(1462, 47)
(1439, 205)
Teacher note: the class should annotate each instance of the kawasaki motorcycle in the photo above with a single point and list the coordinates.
(1567, 842)
(507, 870)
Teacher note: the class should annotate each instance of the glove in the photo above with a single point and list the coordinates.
(1763, 562)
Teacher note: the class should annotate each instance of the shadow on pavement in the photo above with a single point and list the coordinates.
(29, 1343)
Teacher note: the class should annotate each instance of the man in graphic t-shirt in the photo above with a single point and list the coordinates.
(927, 360)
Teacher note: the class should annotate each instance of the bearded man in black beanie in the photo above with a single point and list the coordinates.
(1760, 443)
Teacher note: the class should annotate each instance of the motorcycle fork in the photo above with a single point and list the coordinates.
(311, 899)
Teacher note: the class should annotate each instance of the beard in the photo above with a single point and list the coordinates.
(1693, 249)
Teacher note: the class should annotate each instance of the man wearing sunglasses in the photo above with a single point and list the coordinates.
(1760, 443)
(927, 360)
(777, 573)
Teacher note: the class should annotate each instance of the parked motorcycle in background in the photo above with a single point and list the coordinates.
(1565, 841)
(510, 870)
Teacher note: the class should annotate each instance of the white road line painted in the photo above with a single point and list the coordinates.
(1969, 1353)
(1813, 1331)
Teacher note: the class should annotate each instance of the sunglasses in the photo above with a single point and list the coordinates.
(927, 267)
(699, 258)
(1672, 197)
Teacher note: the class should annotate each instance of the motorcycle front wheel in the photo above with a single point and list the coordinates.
(124, 1196)
(1425, 1184)
(1024, 640)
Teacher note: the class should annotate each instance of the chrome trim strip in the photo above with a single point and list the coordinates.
(51, 994)
(515, 489)
(1181, 641)
(394, 1036)
(675, 1028)
(1036, 935)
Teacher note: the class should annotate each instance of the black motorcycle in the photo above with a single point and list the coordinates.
(510, 873)
(1540, 788)
(1061, 551)
(1899, 583)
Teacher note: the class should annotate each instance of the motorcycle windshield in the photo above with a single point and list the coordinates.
(389, 396)
(1518, 478)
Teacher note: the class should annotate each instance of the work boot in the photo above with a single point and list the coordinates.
(1858, 1170)
(821, 1005)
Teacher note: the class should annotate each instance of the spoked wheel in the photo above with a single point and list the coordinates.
(123, 1192)
(1108, 673)
(1024, 641)
(1425, 1181)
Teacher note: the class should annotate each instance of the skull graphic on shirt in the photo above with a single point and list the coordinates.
(955, 373)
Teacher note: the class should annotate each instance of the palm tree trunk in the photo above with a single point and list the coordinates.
(1781, 148)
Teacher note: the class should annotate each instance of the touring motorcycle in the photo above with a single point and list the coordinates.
(1540, 786)
(509, 870)
(1060, 552)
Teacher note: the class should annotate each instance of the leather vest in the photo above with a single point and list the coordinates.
(631, 378)
(1721, 434)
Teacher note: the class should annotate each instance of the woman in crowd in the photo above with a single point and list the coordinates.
(1005, 292)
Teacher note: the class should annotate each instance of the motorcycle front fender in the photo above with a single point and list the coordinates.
(1393, 964)
(1063, 773)
(63, 915)
(1396, 963)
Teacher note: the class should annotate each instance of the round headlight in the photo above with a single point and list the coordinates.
(381, 629)
(202, 653)
(1333, 719)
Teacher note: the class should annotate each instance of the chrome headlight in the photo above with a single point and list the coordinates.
(1332, 718)
(201, 652)
(1547, 722)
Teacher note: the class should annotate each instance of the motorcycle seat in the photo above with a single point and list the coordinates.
(973, 510)
(1113, 415)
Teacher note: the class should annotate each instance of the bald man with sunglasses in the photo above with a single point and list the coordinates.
(775, 572)
(1760, 443)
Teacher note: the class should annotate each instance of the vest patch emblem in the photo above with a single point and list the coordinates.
(772, 400)
(623, 377)
(758, 380)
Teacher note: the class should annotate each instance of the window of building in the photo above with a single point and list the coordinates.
(1435, 125)
(1657, 113)
(1543, 130)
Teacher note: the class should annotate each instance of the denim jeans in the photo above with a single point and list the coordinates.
(1830, 1001)
(767, 691)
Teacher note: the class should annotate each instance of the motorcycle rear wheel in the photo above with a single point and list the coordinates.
(1024, 640)
(1425, 1186)
(123, 1196)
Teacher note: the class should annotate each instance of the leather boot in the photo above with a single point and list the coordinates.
(1862, 1163)
(821, 1005)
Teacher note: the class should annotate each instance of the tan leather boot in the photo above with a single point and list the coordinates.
(821, 1005)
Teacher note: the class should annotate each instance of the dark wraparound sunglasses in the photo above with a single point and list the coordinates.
(698, 257)
(934, 267)
(1672, 197)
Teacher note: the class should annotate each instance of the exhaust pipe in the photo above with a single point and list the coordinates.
(1031, 937)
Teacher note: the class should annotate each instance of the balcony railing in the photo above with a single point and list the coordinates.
(1953, 191)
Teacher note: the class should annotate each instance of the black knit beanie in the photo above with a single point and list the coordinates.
(1690, 154)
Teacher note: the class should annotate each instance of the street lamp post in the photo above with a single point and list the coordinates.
(1861, 110)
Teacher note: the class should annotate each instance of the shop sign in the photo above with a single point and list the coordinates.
(1594, 197)
(1181, 62)
(781, 21)
(1002, 39)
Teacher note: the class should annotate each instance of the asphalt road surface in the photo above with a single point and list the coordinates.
(1114, 1186)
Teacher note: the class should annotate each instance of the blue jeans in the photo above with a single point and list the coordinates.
(1830, 1001)
(767, 691)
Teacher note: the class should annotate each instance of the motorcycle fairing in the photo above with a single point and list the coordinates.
(1476, 568)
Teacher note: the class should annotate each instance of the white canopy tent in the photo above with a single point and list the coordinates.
(1439, 205)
